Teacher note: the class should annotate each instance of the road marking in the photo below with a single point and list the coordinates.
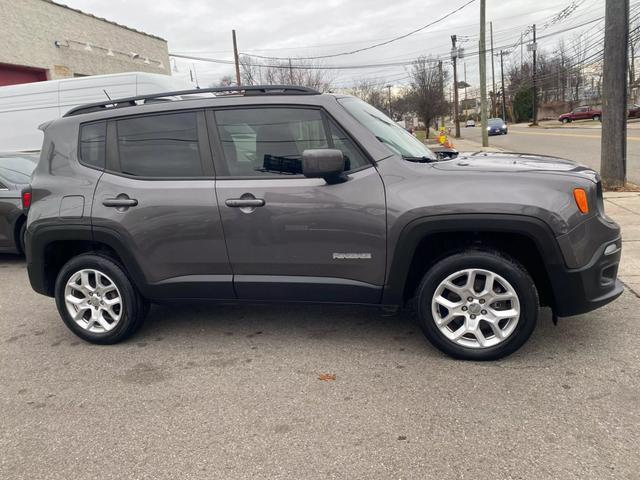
(634, 139)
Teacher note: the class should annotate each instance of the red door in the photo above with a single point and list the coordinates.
(13, 74)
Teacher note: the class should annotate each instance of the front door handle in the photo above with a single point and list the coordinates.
(244, 202)
(120, 202)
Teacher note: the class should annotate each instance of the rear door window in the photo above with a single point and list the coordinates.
(164, 146)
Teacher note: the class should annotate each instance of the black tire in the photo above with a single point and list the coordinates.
(596, 118)
(496, 262)
(20, 241)
(566, 120)
(134, 307)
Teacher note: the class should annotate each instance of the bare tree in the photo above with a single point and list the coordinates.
(226, 81)
(579, 48)
(278, 72)
(250, 72)
(427, 90)
(371, 92)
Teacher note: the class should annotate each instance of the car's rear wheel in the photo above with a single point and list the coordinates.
(477, 305)
(97, 301)
(596, 118)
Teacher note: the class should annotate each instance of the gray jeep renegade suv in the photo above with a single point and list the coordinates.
(284, 194)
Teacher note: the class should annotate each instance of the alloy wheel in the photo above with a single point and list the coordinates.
(93, 301)
(475, 308)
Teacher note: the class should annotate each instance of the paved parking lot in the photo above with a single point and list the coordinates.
(234, 392)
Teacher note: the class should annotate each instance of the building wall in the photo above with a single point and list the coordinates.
(29, 30)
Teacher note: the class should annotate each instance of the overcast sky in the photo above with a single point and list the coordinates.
(306, 28)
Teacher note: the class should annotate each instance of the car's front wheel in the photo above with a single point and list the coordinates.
(566, 120)
(97, 301)
(477, 305)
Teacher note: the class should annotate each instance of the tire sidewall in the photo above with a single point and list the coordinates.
(506, 268)
(127, 323)
(21, 237)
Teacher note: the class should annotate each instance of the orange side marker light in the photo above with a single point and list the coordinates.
(581, 199)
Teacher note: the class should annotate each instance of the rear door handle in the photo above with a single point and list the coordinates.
(120, 202)
(244, 202)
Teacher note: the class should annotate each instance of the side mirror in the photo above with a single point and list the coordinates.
(327, 163)
(446, 154)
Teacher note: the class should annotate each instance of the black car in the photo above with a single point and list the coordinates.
(497, 126)
(15, 174)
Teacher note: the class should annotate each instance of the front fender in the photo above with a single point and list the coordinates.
(400, 257)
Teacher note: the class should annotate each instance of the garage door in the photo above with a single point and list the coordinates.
(13, 74)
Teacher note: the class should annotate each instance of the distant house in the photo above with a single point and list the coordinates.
(43, 40)
(469, 106)
(634, 92)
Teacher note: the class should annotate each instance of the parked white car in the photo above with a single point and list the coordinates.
(470, 123)
(25, 106)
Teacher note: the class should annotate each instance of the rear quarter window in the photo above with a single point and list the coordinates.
(92, 144)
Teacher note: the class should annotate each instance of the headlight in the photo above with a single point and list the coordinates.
(504, 125)
(488, 128)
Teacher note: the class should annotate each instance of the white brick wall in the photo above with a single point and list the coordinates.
(29, 29)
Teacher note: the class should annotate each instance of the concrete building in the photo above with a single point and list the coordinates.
(44, 40)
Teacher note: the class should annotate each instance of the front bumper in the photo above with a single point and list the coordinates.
(584, 289)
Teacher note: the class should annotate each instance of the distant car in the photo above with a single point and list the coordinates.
(470, 123)
(633, 110)
(584, 112)
(15, 175)
(497, 126)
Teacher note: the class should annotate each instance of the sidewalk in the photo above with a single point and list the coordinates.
(624, 208)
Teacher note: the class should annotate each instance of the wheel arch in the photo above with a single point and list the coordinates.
(426, 240)
(50, 247)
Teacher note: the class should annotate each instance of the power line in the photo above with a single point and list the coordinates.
(395, 39)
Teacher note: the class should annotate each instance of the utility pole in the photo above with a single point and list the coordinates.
(454, 58)
(441, 80)
(534, 47)
(613, 160)
(290, 73)
(236, 57)
(388, 87)
(494, 110)
(466, 105)
(504, 103)
(483, 75)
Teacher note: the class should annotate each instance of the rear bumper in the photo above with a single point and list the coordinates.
(582, 290)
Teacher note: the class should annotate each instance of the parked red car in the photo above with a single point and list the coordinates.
(584, 112)
(634, 110)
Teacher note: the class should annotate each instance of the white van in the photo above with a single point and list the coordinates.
(25, 106)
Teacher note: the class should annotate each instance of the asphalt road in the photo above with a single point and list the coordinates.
(233, 392)
(577, 142)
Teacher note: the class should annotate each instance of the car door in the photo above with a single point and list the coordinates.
(157, 196)
(291, 237)
(582, 113)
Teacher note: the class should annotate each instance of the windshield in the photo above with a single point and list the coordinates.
(17, 169)
(386, 130)
(495, 122)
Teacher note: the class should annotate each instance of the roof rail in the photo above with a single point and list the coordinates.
(225, 91)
